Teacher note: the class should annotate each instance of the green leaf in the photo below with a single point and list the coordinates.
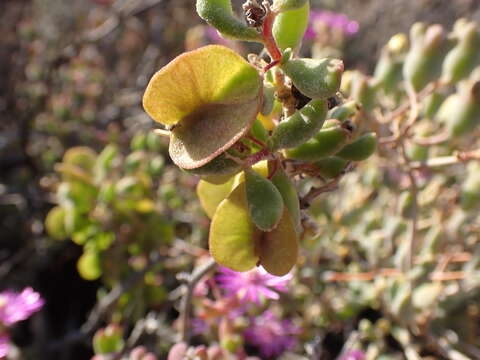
(361, 149)
(233, 236)
(300, 127)
(219, 14)
(289, 195)
(315, 78)
(289, 26)
(265, 203)
(55, 223)
(211, 95)
(89, 265)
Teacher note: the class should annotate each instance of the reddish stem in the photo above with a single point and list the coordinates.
(256, 141)
(254, 158)
(269, 40)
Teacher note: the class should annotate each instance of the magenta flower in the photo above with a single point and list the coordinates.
(332, 20)
(15, 307)
(253, 285)
(353, 355)
(271, 335)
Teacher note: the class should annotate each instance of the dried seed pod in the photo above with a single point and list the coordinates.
(360, 149)
(265, 203)
(317, 79)
(299, 127)
(219, 14)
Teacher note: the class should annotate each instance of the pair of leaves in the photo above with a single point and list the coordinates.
(254, 220)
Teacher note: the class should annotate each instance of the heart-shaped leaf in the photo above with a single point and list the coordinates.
(211, 96)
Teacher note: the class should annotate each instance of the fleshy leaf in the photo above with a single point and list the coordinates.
(265, 203)
(279, 248)
(289, 26)
(289, 195)
(219, 14)
(211, 95)
(233, 236)
(210, 195)
(315, 78)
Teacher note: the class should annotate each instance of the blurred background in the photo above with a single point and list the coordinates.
(72, 74)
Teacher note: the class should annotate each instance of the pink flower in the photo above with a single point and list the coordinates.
(332, 20)
(271, 335)
(253, 285)
(353, 355)
(15, 307)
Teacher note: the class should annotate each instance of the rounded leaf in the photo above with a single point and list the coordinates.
(55, 223)
(265, 203)
(211, 95)
(89, 265)
(279, 248)
(233, 236)
(81, 156)
(210, 195)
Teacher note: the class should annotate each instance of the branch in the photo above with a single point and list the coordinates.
(186, 304)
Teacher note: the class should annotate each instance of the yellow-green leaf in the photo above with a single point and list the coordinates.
(278, 248)
(210, 195)
(211, 95)
(233, 236)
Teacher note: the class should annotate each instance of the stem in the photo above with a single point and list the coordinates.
(186, 305)
(268, 39)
